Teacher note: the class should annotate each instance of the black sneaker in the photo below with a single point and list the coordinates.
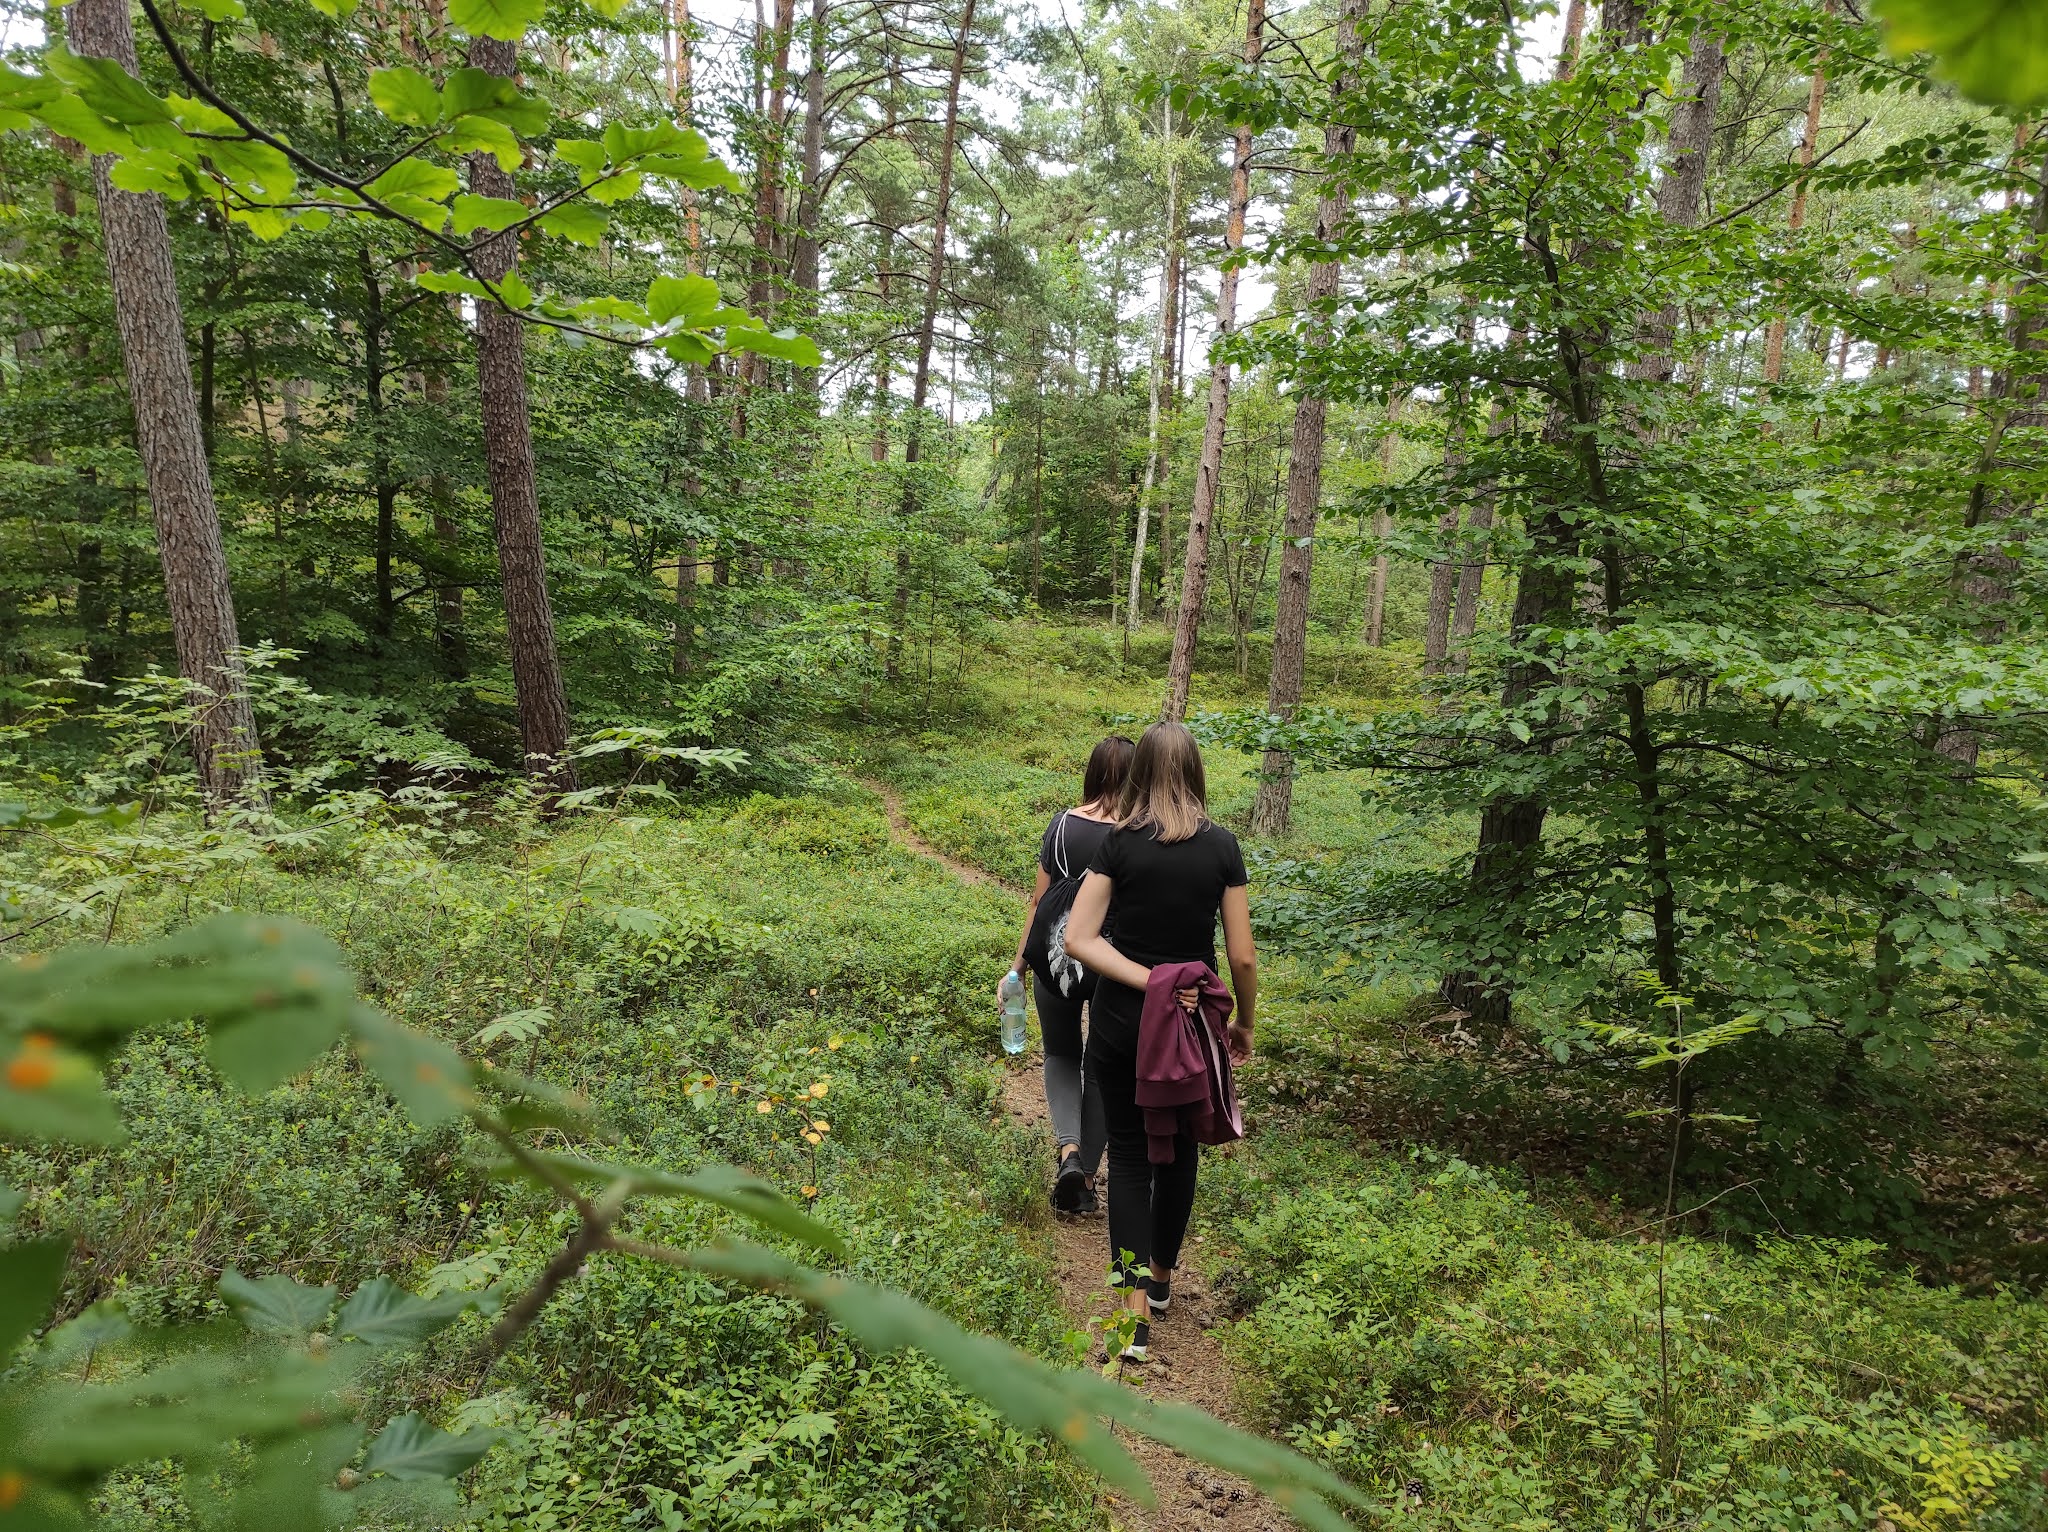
(1070, 1191)
(1090, 1201)
(1158, 1294)
(1140, 1347)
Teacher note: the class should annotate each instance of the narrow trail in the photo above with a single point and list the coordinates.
(1187, 1363)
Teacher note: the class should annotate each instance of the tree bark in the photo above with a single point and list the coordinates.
(509, 465)
(1774, 342)
(804, 260)
(1194, 587)
(1681, 195)
(1376, 598)
(170, 438)
(1133, 610)
(921, 378)
(1274, 803)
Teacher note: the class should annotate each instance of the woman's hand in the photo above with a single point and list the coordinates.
(1240, 1040)
(1189, 998)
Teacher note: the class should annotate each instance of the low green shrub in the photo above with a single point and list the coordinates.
(1442, 1338)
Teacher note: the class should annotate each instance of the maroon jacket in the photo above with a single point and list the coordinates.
(1184, 1079)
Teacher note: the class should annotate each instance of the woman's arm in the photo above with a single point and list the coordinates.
(1244, 967)
(1030, 914)
(1086, 942)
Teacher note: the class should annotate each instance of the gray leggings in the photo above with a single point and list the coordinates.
(1073, 1101)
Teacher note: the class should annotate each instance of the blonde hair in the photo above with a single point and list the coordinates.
(1166, 789)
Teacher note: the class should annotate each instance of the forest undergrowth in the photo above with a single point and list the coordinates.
(1449, 1293)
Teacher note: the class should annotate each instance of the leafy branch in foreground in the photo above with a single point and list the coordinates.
(270, 1413)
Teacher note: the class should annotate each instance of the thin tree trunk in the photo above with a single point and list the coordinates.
(1273, 805)
(449, 637)
(1194, 587)
(509, 465)
(1984, 580)
(921, 379)
(1511, 826)
(1472, 573)
(1133, 610)
(169, 436)
(1774, 342)
(1382, 525)
(1443, 573)
(804, 261)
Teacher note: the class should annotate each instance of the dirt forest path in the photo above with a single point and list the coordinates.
(1187, 1364)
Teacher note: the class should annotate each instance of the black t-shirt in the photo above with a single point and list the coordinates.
(1168, 895)
(1082, 839)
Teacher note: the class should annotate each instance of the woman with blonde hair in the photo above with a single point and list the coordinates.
(1165, 875)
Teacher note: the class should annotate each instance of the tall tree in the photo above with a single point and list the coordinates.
(1795, 219)
(1273, 805)
(1194, 587)
(172, 441)
(509, 464)
(1161, 352)
(920, 383)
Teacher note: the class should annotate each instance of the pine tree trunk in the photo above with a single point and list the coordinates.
(1774, 342)
(1194, 586)
(1273, 805)
(509, 465)
(1134, 611)
(921, 378)
(169, 436)
(804, 260)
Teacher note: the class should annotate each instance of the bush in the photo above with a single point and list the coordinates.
(1431, 1332)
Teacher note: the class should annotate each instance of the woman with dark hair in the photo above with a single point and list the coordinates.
(1164, 876)
(1061, 986)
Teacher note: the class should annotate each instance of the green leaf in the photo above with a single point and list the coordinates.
(276, 1305)
(451, 282)
(220, 10)
(336, 8)
(477, 91)
(54, 1095)
(575, 221)
(513, 291)
(405, 95)
(586, 155)
(409, 1448)
(616, 188)
(108, 89)
(381, 1313)
(494, 213)
(30, 1275)
(414, 177)
(72, 118)
(488, 134)
(749, 1196)
(154, 171)
(428, 1077)
(689, 299)
(609, 9)
(782, 345)
(15, 816)
(288, 1483)
(503, 19)
(1995, 51)
(689, 348)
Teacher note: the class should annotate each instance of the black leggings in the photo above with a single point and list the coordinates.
(1149, 1205)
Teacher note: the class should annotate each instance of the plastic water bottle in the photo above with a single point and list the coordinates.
(1011, 992)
